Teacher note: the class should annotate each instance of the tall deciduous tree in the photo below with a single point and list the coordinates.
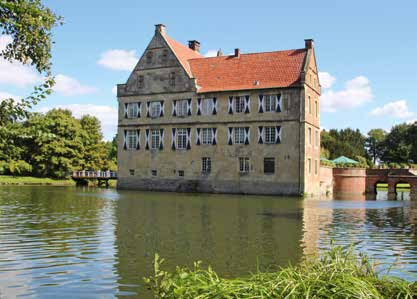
(375, 144)
(397, 145)
(29, 24)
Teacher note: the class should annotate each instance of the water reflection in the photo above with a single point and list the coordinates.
(92, 243)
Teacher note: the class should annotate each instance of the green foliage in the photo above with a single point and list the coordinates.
(345, 142)
(398, 145)
(327, 163)
(338, 273)
(29, 24)
(53, 144)
(375, 143)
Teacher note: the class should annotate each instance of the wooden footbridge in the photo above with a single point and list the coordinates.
(102, 177)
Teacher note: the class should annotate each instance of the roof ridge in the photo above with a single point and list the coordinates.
(252, 53)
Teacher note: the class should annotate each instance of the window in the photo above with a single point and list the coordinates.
(131, 139)
(155, 139)
(182, 138)
(239, 135)
(206, 165)
(131, 172)
(155, 109)
(239, 104)
(132, 110)
(270, 103)
(140, 81)
(207, 135)
(181, 172)
(154, 172)
(207, 106)
(182, 108)
(309, 136)
(164, 57)
(243, 164)
(269, 165)
(149, 56)
(316, 167)
(309, 104)
(309, 166)
(317, 139)
(172, 79)
(317, 108)
(270, 135)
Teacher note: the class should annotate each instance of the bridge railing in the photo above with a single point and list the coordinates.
(99, 174)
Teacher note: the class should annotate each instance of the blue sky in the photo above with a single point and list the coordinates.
(365, 52)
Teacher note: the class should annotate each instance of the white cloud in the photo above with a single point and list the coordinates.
(106, 114)
(326, 80)
(397, 109)
(355, 93)
(16, 73)
(119, 60)
(71, 87)
(114, 90)
(6, 95)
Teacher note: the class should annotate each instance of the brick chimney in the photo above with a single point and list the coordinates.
(237, 52)
(309, 43)
(160, 28)
(194, 45)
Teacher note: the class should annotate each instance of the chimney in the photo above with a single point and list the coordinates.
(219, 53)
(194, 45)
(309, 43)
(160, 28)
(237, 52)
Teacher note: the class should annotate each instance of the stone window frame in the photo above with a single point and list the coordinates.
(181, 173)
(155, 108)
(239, 104)
(155, 138)
(206, 165)
(239, 135)
(268, 169)
(244, 165)
(182, 138)
(207, 136)
(309, 136)
(181, 108)
(309, 166)
(132, 110)
(272, 103)
(270, 135)
(131, 139)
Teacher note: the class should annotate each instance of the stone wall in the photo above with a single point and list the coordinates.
(349, 180)
(326, 180)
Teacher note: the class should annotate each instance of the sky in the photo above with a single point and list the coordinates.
(366, 51)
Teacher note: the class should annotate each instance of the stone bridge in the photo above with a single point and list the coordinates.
(364, 181)
(392, 177)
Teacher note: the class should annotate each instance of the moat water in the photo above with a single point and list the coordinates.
(67, 242)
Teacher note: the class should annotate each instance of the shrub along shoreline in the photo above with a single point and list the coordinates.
(338, 273)
(8, 180)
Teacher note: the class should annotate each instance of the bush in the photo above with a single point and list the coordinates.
(19, 167)
(337, 274)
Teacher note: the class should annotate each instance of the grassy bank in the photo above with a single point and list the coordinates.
(28, 180)
(337, 273)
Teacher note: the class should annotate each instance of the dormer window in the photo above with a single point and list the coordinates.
(149, 56)
(172, 79)
(140, 81)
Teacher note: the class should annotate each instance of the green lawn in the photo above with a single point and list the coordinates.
(28, 180)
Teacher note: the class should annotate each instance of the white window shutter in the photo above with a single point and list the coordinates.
(162, 113)
(174, 108)
(137, 139)
(161, 139)
(278, 103)
(198, 137)
(261, 104)
(247, 104)
(124, 140)
(148, 104)
(174, 139)
(189, 107)
(214, 131)
(139, 106)
(126, 109)
(230, 106)
(260, 134)
(215, 109)
(278, 134)
(247, 135)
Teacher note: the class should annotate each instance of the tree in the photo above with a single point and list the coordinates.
(397, 145)
(56, 145)
(29, 24)
(375, 144)
(345, 142)
(413, 138)
(95, 152)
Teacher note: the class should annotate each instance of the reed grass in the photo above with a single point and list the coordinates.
(338, 273)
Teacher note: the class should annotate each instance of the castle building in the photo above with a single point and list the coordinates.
(240, 123)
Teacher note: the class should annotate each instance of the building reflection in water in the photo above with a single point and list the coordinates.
(233, 234)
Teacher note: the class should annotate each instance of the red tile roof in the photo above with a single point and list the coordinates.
(248, 71)
(183, 53)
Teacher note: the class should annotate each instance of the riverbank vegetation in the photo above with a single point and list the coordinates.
(28, 180)
(394, 149)
(338, 273)
(53, 144)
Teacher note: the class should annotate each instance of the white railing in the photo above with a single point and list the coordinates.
(107, 174)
